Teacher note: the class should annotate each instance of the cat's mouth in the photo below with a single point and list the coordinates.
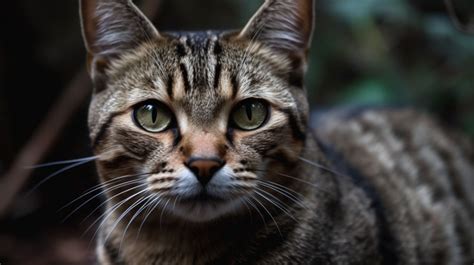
(204, 206)
(203, 197)
(191, 200)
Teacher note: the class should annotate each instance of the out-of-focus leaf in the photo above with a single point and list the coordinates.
(368, 92)
(445, 38)
(362, 10)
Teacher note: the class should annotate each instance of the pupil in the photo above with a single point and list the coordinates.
(248, 110)
(154, 113)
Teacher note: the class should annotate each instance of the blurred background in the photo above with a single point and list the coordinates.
(366, 52)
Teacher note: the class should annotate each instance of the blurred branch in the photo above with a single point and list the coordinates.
(469, 28)
(44, 137)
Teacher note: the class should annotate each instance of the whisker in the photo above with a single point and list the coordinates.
(284, 193)
(111, 198)
(271, 216)
(146, 203)
(95, 188)
(64, 162)
(55, 174)
(248, 208)
(258, 211)
(101, 186)
(286, 190)
(175, 201)
(155, 203)
(114, 187)
(123, 215)
(305, 182)
(163, 211)
(297, 179)
(110, 212)
(327, 169)
(278, 203)
(69, 161)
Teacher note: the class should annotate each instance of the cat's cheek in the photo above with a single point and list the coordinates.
(244, 157)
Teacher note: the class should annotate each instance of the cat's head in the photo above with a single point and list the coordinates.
(197, 123)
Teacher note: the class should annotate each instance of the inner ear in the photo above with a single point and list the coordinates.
(283, 25)
(111, 28)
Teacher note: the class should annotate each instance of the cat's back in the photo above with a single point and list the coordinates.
(419, 175)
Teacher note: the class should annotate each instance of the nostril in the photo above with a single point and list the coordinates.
(214, 169)
(195, 170)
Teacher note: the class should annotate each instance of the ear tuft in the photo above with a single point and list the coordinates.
(284, 25)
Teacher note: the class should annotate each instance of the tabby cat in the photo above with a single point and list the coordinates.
(206, 156)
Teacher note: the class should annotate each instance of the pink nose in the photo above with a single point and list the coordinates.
(204, 168)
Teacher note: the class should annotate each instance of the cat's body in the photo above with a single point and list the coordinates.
(398, 192)
(206, 157)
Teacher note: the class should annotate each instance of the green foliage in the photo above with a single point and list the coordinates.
(367, 92)
(393, 52)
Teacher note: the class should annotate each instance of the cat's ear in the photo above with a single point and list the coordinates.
(111, 28)
(284, 25)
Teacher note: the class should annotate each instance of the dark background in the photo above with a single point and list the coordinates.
(365, 52)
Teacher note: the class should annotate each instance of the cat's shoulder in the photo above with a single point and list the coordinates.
(421, 170)
(393, 126)
(401, 145)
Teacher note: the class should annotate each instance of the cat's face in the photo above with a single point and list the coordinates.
(195, 123)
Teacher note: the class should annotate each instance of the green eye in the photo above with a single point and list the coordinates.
(250, 115)
(152, 117)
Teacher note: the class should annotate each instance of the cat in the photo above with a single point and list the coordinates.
(206, 154)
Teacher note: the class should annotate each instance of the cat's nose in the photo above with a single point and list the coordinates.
(204, 168)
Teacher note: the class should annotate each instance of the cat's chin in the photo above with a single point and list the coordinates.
(201, 210)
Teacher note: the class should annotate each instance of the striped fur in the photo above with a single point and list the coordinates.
(366, 187)
(423, 174)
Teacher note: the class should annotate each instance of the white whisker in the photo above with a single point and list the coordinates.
(123, 215)
(155, 203)
(284, 191)
(55, 174)
(64, 162)
(108, 200)
(277, 203)
(110, 212)
(146, 203)
(305, 182)
(97, 187)
(163, 211)
(115, 187)
(269, 213)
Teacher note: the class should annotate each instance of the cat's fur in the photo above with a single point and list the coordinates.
(364, 187)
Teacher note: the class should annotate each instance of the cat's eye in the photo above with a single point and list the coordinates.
(153, 117)
(250, 114)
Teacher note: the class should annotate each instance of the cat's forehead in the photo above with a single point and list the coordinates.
(197, 62)
(200, 71)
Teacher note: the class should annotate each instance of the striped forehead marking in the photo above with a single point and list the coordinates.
(199, 64)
